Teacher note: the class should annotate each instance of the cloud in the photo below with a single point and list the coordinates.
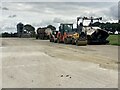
(60, 1)
(114, 12)
(44, 13)
(12, 16)
(5, 8)
(57, 20)
(119, 10)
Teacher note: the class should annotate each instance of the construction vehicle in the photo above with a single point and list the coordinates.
(80, 36)
(95, 35)
(53, 36)
(43, 33)
(65, 33)
(69, 35)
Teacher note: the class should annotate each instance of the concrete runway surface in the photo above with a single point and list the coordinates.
(31, 63)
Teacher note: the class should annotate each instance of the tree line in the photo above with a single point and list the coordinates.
(112, 27)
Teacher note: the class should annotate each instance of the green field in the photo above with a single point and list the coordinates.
(114, 39)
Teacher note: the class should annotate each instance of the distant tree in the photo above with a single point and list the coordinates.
(108, 26)
(96, 24)
(29, 28)
(5, 34)
(118, 27)
(51, 27)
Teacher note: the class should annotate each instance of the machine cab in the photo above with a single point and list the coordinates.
(66, 28)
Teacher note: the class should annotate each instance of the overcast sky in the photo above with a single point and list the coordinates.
(41, 14)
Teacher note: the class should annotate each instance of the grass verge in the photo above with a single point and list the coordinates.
(114, 39)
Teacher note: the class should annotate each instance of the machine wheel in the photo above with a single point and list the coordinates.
(58, 40)
(45, 38)
(37, 37)
(50, 40)
(81, 43)
(55, 41)
(77, 43)
(65, 41)
(73, 42)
